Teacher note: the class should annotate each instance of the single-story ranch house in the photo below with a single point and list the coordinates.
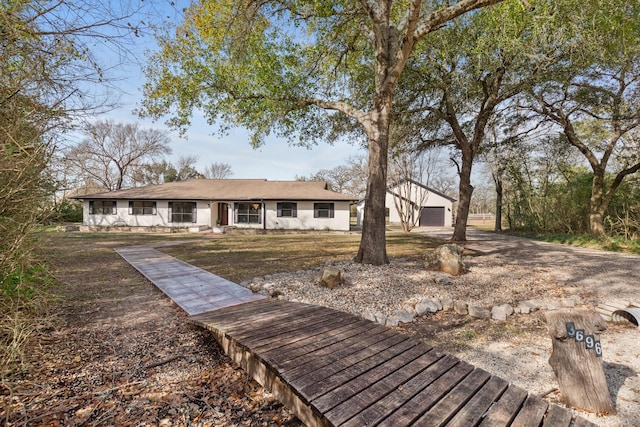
(428, 207)
(199, 204)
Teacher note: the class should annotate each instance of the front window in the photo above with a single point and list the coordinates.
(142, 207)
(182, 211)
(102, 207)
(287, 209)
(323, 210)
(248, 213)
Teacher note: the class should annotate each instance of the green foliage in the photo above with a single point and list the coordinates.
(67, 211)
(24, 283)
(613, 244)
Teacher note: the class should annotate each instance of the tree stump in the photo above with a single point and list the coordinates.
(577, 359)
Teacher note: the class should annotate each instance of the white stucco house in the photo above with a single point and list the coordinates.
(426, 206)
(199, 204)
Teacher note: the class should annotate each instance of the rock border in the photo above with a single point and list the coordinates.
(430, 305)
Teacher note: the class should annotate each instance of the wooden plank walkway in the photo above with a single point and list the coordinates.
(331, 368)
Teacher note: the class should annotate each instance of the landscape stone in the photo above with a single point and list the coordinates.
(392, 321)
(329, 277)
(501, 312)
(568, 302)
(479, 312)
(403, 316)
(426, 305)
(368, 315)
(381, 318)
(524, 309)
(461, 307)
(447, 304)
(446, 258)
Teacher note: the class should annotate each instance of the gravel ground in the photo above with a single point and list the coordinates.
(502, 269)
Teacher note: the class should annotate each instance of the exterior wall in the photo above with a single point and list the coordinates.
(431, 200)
(161, 218)
(206, 216)
(305, 219)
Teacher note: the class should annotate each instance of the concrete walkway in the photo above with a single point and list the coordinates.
(193, 289)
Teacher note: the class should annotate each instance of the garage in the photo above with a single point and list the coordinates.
(432, 216)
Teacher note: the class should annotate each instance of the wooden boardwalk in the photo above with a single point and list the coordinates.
(335, 369)
(331, 368)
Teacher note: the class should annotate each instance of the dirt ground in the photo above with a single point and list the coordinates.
(117, 352)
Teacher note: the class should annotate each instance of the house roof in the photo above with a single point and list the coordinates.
(429, 189)
(226, 190)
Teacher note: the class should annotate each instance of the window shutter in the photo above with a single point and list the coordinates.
(130, 207)
(195, 213)
(294, 210)
(170, 212)
(114, 207)
(315, 210)
(154, 210)
(279, 207)
(91, 211)
(235, 213)
(331, 210)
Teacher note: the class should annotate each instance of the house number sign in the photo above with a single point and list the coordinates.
(579, 335)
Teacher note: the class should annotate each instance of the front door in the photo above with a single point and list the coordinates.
(223, 213)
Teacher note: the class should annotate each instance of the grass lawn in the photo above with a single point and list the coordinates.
(243, 257)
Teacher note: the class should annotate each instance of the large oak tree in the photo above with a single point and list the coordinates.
(306, 68)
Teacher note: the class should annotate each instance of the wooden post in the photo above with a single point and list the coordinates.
(577, 359)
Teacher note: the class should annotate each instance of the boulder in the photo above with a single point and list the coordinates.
(501, 312)
(446, 258)
(479, 312)
(329, 277)
(447, 303)
(461, 307)
(426, 306)
(404, 316)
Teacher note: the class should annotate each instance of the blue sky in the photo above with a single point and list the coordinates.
(275, 160)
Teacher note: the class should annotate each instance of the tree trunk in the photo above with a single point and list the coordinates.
(577, 359)
(373, 248)
(597, 205)
(465, 190)
(498, 223)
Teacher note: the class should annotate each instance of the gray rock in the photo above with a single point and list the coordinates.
(447, 304)
(368, 315)
(534, 305)
(392, 321)
(329, 277)
(404, 317)
(381, 318)
(501, 312)
(524, 309)
(479, 312)
(446, 258)
(517, 310)
(461, 307)
(426, 306)
(568, 302)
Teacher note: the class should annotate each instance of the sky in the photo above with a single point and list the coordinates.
(275, 160)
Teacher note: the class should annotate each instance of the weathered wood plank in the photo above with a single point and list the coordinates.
(319, 368)
(264, 332)
(506, 408)
(265, 319)
(450, 404)
(403, 393)
(334, 325)
(415, 407)
(313, 389)
(299, 355)
(377, 390)
(557, 417)
(471, 413)
(531, 413)
(347, 389)
(311, 348)
(247, 307)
